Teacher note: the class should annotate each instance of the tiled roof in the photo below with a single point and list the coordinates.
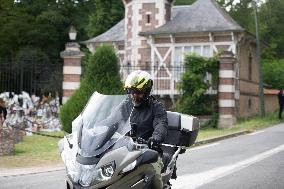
(116, 33)
(271, 91)
(202, 16)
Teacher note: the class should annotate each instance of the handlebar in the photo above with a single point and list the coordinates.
(142, 143)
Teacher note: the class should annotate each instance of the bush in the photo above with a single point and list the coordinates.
(193, 86)
(102, 75)
(273, 73)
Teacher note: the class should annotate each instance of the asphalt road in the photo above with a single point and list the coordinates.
(249, 161)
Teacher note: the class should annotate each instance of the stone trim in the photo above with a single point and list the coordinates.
(227, 88)
(226, 103)
(227, 74)
(72, 70)
(71, 85)
(227, 121)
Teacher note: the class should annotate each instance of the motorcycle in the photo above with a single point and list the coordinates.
(100, 152)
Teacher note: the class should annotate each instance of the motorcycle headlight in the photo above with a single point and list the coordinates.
(104, 173)
(108, 169)
(90, 175)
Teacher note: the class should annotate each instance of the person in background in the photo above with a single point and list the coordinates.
(3, 111)
(281, 103)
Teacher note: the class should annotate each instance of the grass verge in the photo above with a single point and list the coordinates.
(251, 124)
(34, 150)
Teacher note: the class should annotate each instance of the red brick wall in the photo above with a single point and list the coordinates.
(223, 38)
(248, 88)
(72, 62)
(72, 77)
(193, 39)
(148, 7)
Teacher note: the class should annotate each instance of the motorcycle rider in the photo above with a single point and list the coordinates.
(147, 115)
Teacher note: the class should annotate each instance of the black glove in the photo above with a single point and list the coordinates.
(141, 141)
(154, 143)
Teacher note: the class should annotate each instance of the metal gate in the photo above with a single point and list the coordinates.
(34, 77)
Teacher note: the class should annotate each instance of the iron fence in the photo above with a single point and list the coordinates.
(166, 79)
(31, 76)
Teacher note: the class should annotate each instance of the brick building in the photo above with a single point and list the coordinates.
(155, 36)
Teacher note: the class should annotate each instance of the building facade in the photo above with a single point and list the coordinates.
(155, 36)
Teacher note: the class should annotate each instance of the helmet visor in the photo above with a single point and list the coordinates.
(134, 91)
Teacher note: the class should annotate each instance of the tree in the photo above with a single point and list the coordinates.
(243, 13)
(107, 14)
(42, 25)
(272, 26)
(273, 73)
(102, 75)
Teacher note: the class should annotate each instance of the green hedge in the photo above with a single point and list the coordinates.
(193, 86)
(102, 75)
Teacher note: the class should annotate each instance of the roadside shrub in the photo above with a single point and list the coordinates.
(273, 73)
(213, 122)
(102, 75)
(193, 86)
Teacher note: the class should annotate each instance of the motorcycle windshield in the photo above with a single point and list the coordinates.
(103, 122)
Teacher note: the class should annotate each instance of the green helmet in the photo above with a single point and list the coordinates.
(140, 81)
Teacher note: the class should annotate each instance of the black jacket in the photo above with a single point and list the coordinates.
(150, 118)
(281, 99)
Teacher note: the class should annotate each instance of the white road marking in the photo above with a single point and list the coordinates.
(205, 146)
(255, 133)
(196, 180)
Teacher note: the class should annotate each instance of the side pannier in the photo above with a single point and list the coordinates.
(182, 129)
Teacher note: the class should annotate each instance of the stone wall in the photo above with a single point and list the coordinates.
(271, 100)
(271, 103)
(6, 141)
(248, 104)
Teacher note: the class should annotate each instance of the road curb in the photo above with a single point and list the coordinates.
(37, 170)
(202, 142)
(28, 171)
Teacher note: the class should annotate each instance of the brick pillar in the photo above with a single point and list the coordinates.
(71, 69)
(226, 90)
